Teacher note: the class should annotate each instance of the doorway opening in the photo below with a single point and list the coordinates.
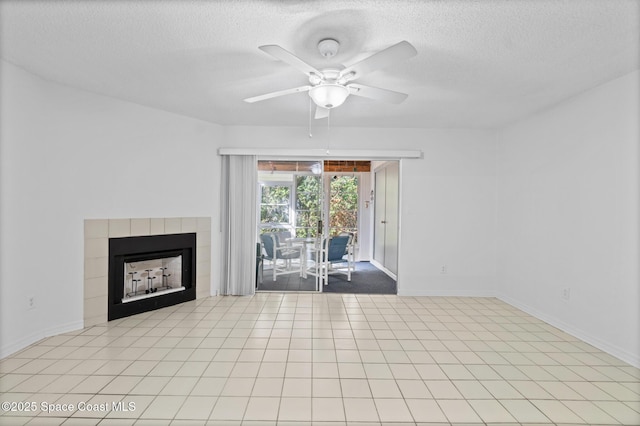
(305, 209)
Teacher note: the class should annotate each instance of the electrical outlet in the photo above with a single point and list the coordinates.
(31, 302)
(443, 269)
(566, 293)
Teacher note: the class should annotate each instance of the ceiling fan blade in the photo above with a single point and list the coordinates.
(291, 59)
(321, 112)
(389, 56)
(278, 93)
(377, 93)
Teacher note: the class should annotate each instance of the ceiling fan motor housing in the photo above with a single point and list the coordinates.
(328, 47)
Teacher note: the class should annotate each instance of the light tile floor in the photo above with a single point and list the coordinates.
(321, 359)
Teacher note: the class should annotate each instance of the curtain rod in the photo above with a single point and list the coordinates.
(324, 153)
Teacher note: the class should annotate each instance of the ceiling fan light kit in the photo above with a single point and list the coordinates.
(329, 88)
(329, 95)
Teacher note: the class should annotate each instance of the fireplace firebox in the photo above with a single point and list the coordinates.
(150, 272)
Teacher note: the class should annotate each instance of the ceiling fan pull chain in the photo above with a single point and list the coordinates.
(328, 131)
(310, 108)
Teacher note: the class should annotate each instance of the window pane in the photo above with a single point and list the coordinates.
(274, 206)
(274, 214)
(275, 194)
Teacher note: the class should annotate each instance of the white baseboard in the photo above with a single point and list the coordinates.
(446, 293)
(607, 347)
(16, 346)
(383, 269)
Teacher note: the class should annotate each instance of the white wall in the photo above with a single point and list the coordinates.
(67, 155)
(448, 199)
(568, 216)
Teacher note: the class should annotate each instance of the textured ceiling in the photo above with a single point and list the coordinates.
(479, 63)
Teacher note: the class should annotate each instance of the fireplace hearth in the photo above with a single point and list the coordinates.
(150, 272)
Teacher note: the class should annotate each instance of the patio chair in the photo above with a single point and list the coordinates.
(273, 253)
(282, 238)
(329, 257)
(350, 251)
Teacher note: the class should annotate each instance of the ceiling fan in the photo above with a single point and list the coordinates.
(330, 87)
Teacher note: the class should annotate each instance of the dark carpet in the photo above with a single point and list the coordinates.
(366, 279)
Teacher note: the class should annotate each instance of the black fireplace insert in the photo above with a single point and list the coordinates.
(150, 272)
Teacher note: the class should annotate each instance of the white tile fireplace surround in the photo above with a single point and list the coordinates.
(96, 255)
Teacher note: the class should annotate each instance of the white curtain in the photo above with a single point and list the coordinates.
(238, 224)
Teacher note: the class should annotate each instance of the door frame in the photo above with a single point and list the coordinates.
(377, 264)
(364, 201)
(303, 154)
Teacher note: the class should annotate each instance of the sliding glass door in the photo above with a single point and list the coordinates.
(291, 224)
(301, 202)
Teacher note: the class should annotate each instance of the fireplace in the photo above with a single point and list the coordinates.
(150, 272)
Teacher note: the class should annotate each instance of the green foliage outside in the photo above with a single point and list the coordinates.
(307, 206)
(343, 205)
(274, 206)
